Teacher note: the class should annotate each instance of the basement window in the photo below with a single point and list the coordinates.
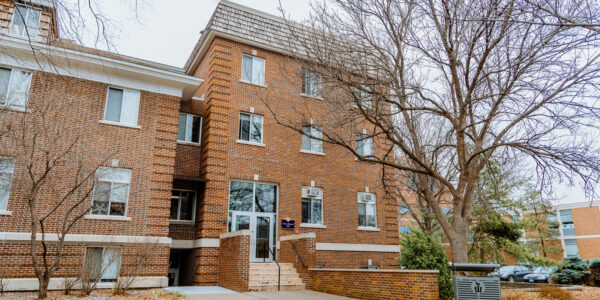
(25, 21)
(103, 263)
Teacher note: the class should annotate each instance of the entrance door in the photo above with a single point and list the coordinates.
(261, 226)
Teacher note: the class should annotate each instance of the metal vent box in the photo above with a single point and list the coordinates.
(477, 288)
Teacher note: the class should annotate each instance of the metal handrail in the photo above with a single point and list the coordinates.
(298, 254)
(278, 266)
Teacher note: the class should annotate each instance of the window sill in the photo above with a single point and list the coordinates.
(109, 218)
(312, 97)
(309, 225)
(188, 143)
(252, 83)
(5, 213)
(17, 109)
(119, 124)
(182, 222)
(363, 228)
(312, 152)
(250, 143)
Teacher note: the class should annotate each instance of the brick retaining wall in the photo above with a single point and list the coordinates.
(234, 260)
(376, 284)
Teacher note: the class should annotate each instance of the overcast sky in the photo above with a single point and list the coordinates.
(166, 31)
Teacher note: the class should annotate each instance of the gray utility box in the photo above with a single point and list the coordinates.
(477, 288)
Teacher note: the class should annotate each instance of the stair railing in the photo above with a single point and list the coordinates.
(278, 266)
(298, 254)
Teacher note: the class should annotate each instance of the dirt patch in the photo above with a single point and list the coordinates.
(592, 293)
(141, 294)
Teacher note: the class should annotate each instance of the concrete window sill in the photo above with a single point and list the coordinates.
(119, 124)
(308, 225)
(361, 228)
(250, 143)
(312, 152)
(108, 218)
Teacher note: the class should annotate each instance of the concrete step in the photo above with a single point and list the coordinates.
(271, 281)
(273, 287)
(272, 272)
(271, 276)
(262, 266)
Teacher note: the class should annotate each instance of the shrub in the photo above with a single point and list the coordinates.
(420, 251)
(594, 268)
(573, 270)
(554, 293)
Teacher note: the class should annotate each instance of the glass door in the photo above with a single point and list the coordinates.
(261, 227)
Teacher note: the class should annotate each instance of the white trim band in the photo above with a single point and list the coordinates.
(31, 284)
(357, 247)
(86, 238)
(306, 235)
(235, 233)
(198, 243)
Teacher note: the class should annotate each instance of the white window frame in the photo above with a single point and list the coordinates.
(309, 78)
(363, 138)
(179, 205)
(26, 30)
(10, 179)
(576, 245)
(360, 196)
(120, 123)
(262, 129)
(187, 117)
(85, 257)
(311, 198)
(10, 79)
(264, 74)
(108, 215)
(313, 130)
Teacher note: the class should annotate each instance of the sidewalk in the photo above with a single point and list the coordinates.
(218, 293)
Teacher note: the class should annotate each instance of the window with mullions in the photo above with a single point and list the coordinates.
(14, 87)
(571, 248)
(7, 169)
(253, 69)
(312, 205)
(111, 191)
(367, 212)
(25, 21)
(252, 197)
(251, 128)
(310, 139)
(103, 263)
(566, 221)
(311, 83)
(364, 145)
(183, 205)
(363, 95)
(190, 128)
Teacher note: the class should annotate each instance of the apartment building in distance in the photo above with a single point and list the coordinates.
(201, 160)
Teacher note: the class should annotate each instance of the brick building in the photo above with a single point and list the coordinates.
(200, 157)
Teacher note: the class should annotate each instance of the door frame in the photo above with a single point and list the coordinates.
(252, 227)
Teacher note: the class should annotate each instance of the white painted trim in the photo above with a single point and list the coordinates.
(365, 228)
(309, 225)
(182, 244)
(107, 217)
(572, 237)
(375, 270)
(206, 243)
(306, 235)
(235, 233)
(86, 238)
(357, 247)
(312, 152)
(128, 72)
(5, 213)
(31, 284)
(252, 83)
(250, 143)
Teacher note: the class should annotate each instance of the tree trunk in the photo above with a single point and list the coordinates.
(43, 281)
(459, 243)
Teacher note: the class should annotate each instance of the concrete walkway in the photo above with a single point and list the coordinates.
(219, 293)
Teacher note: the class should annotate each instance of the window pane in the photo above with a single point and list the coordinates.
(242, 222)
(18, 23)
(371, 215)
(32, 21)
(111, 262)
(571, 248)
(368, 146)
(305, 82)
(244, 127)
(315, 85)
(258, 71)
(316, 212)
(174, 208)
(187, 206)
(19, 86)
(360, 145)
(4, 80)
(566, 216)
(181, 127)
(247, 68)
(240, 196)
(7, 168)
(196, 129)
(113, 105)
(306, 144)
(130, 106)
(306, 210)
(93, 262)
(101, 198)
(256, 129)
(362, 218)
(316, 145)
(265, 197)
(568, 230)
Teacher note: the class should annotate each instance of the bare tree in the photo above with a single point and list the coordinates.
(443, 87)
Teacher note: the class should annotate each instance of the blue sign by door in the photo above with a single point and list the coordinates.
(287, 224)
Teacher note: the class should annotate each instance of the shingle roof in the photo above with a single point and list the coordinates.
(251, 25)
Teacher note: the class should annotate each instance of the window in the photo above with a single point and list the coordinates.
(190, 128)
(571, 248)
(122, 106)
(310, 144)
(364, 145)
(362, 94)
(403, 208)
(312, 205)
(252, 197)
(103, 263)
(566, 221)
(25, 21)
(251, 128)
(367, 214)
(14, 87)
(552, 221)
(447, 211)
(183, 204)
(253, 69)
(7, 169)
(311, 83)
(404, 229)
(111, 191)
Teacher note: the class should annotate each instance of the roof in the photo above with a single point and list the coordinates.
(248, 25)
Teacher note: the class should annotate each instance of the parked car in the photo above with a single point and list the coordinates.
(540, 274)
(512, 273)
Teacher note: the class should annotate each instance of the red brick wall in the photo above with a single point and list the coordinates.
(355, 259)
(303, 257)
(376, 284)
(234, 262)
(182, 231)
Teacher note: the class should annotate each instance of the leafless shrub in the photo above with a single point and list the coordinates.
(135, 263)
